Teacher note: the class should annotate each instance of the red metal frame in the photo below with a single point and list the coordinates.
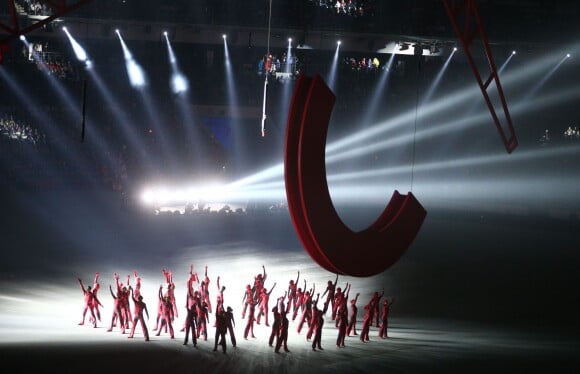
(473, 27)
(59, 8)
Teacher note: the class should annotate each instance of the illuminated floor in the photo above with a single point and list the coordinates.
(474, 294)
(413, 346)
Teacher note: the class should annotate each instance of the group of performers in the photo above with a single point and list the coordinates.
(299, 304)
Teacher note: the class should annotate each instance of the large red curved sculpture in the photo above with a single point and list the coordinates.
(325, 237)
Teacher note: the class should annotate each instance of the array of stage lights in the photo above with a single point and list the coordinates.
(270, 187)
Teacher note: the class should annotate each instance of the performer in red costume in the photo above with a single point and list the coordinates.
(125, 303)
(248, 296)
(190, 318)
(342, 323)
(263, 305)
(90, 299)
(96, 288)
(282, 336)
(367, 322)
(221, 329)
(259, 283)
(122, 301)
(277, 311)
(166, 314)
(231, 324)
(338, 296)
(204, 290)
(220, 295)
(341, 302)
(318, 323)
(329, 292)
(314, 311)
(375, 300)
(385, 318)
(189, 297)
(306, 309)
(139, 308)
(352, 319)
(251, 319)
(292, 286)
(118, 315)
(298, 303)
(202, 319)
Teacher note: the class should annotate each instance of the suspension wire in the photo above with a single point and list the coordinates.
(416, 120)
(266, 72)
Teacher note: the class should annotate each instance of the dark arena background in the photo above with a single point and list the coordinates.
(141, 135)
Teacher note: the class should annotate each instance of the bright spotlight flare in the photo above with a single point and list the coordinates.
(135, 72)
(79, 51)
(179, 82)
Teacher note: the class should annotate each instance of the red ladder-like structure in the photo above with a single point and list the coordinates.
(59, 8)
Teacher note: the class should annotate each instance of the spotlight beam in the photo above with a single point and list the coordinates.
(437, 79)
(333, 68)
(445, 128)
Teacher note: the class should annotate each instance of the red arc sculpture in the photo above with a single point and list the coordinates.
(325, 237)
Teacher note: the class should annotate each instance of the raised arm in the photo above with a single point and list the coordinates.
(116, 276)
(133, 294)
(112, 293)
(271, 289)
(347, 292)
(81, 284)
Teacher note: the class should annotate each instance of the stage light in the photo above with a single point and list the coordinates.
(179, 83)
(289, 40)
(224, 36)
(568, 55)
(23, 38)
(79, 51)
(339, 42)
(513, 52)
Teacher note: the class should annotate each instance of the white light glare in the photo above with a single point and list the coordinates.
(78, 50)
(22, 37)
(224, 36)
(339, 42)
(513, 52)
(208, 193)
(179, 83)
(568, 55)
(136, 74)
